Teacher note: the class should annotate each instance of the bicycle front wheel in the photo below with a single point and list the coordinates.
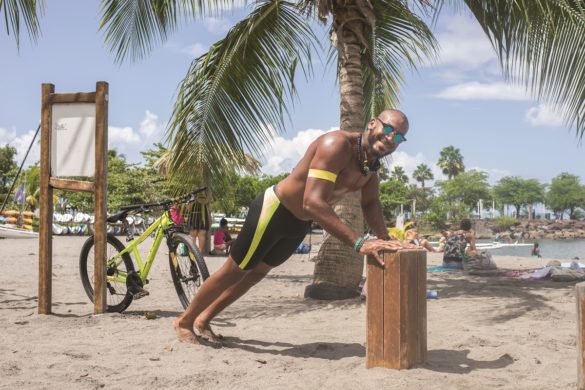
(117, 295)
(188, 268)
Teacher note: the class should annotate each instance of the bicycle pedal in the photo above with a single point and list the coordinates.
(141, 293)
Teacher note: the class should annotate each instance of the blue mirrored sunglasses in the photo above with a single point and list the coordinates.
(389, 129)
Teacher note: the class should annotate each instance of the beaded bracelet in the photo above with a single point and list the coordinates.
(358, 244)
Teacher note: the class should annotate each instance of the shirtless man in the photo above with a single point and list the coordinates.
(335, 164)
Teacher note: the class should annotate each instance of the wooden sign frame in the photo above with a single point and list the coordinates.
(98, 187)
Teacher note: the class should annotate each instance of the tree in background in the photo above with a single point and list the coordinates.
(393, 194)
(8, 167)
(422, 173)
(438, 213)
(398, 173)
(451, 162)
(519, 192)
(467, 189)
(383, 173)
(565, 194)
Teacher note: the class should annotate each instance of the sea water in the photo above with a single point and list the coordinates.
(555, 249)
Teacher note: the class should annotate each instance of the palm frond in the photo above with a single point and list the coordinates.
(400, 40)
(134, 27)
(540, 44)
(235, 96)
(29, 11)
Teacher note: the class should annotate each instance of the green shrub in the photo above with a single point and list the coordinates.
(504, 223)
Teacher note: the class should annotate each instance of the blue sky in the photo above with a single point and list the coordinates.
(461, 100)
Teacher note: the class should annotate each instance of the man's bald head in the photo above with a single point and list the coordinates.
(396, 118)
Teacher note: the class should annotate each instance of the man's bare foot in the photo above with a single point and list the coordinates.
(184, 334)
(207, 334)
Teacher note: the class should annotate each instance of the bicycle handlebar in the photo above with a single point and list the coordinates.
(147, 206)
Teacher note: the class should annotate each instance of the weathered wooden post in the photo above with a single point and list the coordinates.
(580, 295)
(74, 142)
(396, 323)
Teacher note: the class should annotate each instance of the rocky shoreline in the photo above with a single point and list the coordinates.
(532, 230)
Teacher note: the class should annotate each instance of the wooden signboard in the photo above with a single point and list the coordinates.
(74, 142)
(396, 320)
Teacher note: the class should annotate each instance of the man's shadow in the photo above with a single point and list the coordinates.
(440, 360)
(329, 351)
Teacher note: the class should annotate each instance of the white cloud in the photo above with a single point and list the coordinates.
(409, 163)
(21, 143)
(284, 154)
(126, 139)
(6, 135)
(150, 125)
(217, 25)
(464, 45)
(543, 116)
(484, 91)
(195, 50)
(404, 160)
(119, 137)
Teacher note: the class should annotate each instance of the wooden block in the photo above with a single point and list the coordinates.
(580, 295)
(396, 310)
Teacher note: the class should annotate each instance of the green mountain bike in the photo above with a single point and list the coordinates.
(125, 281)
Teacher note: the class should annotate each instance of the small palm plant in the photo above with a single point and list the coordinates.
(400, 233)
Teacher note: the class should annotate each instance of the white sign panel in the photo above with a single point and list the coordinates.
(73, 139)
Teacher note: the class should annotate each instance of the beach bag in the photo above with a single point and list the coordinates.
(559, 274)
(481, 262)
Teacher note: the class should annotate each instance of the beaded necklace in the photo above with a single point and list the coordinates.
(365, 167)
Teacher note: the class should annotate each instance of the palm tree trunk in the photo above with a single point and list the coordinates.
(338, 268)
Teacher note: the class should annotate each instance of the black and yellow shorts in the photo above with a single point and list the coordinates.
(199, 218)
(270, 234)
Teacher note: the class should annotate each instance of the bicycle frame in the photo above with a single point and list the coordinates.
(160, 226)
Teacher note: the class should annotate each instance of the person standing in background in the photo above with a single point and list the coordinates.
(199, 220)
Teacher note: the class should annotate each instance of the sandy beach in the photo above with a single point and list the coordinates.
(483, 333)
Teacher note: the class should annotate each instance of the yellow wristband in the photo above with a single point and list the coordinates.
(321, 174)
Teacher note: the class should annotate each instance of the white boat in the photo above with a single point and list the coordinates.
(498, 245)
(14, 232)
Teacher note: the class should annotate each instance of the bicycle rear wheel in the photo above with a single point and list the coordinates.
(117, 295)
(188, 268)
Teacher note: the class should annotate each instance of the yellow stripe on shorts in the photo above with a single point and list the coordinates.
(321, 174)
(269, 206)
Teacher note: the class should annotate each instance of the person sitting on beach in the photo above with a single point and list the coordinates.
(222, 240)
(456, 245)
(335, 164)
(412, 237)
(536, 250)
(442, 241)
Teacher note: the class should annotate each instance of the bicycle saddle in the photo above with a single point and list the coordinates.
(117, 217)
